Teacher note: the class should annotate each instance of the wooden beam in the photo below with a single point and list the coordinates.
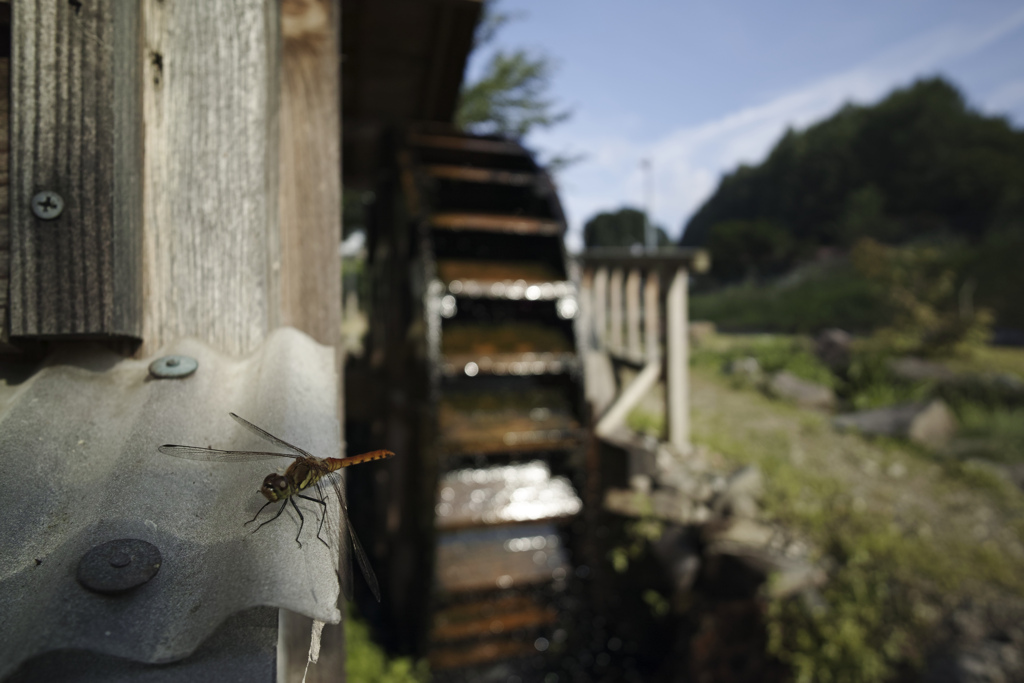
(211, 239)
(633, 313)
(615, 310)
(5, 203)
(467, 144)
(677, 380)
(600, 309)
(310, 235)
(652, 316)
(585, 325)
(496, 223)
(310, 205)
(76, 128)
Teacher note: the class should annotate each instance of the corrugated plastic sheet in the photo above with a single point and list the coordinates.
(78, 448)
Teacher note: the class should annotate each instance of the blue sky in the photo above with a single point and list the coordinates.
(699, 87)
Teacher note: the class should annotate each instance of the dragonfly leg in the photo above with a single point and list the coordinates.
(263, 524)
(322, 502)
(258, 514)
(302, 520)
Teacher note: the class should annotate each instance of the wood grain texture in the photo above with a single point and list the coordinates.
(5, 204)
(310, 232)
(76, 128)
(211, 243)
(310, 169)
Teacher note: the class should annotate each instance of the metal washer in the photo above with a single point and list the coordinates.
(173, 367)
(118, 566)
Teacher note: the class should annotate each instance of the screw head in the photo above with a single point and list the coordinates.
(47, 205)
(173, 367)
(118, 566)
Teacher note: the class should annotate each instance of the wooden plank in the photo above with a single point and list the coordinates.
(600, 309)
(633, 313)
(666, 258)
(652, 316)
(310, 172)
(467, 144)
(77, 131)
(677, 380)
(469, 174)
(211, 239)
(5, 204)
(615, 310)
(496, 223)
(310, 234)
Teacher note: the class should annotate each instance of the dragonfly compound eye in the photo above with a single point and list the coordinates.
(273, 486)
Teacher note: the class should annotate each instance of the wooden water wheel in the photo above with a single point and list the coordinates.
(475, 313)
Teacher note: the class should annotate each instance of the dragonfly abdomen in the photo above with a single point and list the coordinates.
(337, 463)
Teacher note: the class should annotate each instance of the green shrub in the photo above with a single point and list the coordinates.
(860, 629)
(368, 663)
(809, 300)
(925, 292)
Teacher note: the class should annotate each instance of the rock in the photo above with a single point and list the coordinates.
(677, 552)
(737, 533)
(701, 331)
(760, 548)
(746, 369)
(1012, 473)
(743, 489)
(789, 387)
(665, 504)
(993, 389)
(897, 470)
(912, 369)
(930, 423)
(832, 347)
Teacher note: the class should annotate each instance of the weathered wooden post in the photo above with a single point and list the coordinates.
(600, 303)
(677, 369)
(633, 347)
(615, 314)
(175, 172)
(652, 316)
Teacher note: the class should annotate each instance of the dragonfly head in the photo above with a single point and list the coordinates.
(275, 487)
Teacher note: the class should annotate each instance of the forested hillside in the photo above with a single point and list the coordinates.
(917, 165)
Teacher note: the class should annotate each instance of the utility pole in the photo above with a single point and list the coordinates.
(650, 237)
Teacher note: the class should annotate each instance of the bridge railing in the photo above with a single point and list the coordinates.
(626, 315)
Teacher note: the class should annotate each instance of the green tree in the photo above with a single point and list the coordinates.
(916, 164)
(748, 249)
(511, 96)
(622, 228)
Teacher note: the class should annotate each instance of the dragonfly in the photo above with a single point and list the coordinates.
(306, 473)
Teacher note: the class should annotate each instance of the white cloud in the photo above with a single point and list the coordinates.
(689, 161)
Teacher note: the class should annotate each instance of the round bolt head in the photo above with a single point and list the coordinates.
(173, 367)
(47, 205)
(118, 566)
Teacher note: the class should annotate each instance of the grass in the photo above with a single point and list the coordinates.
(894, 561)
(990, 359)
(993, 434)
(902, 550)
(773, 352)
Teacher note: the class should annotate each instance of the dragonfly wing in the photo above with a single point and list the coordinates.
(363, 560)
(214, 455)
(357, 547)
(344, 559)
(264, 434)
